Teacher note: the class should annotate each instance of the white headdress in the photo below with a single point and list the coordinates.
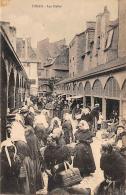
(7, 143)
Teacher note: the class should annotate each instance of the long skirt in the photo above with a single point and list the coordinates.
(112, 189)
(83, 159)
(39, 182)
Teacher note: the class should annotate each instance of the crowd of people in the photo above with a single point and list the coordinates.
(41, 140)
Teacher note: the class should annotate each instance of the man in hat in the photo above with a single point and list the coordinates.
(124, 122)
(28, 116)
(121, 135)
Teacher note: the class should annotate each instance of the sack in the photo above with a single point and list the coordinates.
(70, 176)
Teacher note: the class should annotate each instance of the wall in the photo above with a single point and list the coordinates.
(88, 51)
(61, 74)
(122, 28)
(72, 57)
(56, 47)
(76, 50)
(112, 52)
(20, 48)
(31, 70)
(43, 50)
(80, 51)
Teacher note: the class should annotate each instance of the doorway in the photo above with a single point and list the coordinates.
(88, 101)
(112, 105)
(98, 100)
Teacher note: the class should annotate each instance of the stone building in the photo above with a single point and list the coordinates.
(29, 60)
(53, 64)
(14, 80)
(78, 48)
(104, 78)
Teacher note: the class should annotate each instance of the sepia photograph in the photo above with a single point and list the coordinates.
(63, 97)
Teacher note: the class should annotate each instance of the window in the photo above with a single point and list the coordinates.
(98, 43)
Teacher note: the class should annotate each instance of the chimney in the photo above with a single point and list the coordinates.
(106, 15)
(122, 28)
(90, 24)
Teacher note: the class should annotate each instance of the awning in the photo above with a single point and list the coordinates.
(75, 97)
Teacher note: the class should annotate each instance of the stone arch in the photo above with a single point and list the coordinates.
(80, 89)
(112, 88)
(3, 99)
(97, 89)
(124, 89)
(87, 88)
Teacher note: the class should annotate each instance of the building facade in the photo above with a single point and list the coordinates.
(104, 78)
(14, 81)
(53, 64)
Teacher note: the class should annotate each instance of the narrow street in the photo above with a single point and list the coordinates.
(63, 97)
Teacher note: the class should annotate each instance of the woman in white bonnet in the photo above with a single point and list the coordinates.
(10, 168)
(83, 156)
(56, 130)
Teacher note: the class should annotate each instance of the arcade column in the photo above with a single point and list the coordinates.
(92, 102)
(104, 108)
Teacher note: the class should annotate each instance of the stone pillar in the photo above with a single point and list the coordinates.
(104, 108)
(123, 109)
(120, 109)
(92, 102)
(84, 101)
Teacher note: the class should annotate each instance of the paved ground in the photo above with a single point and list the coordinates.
(93, 180)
